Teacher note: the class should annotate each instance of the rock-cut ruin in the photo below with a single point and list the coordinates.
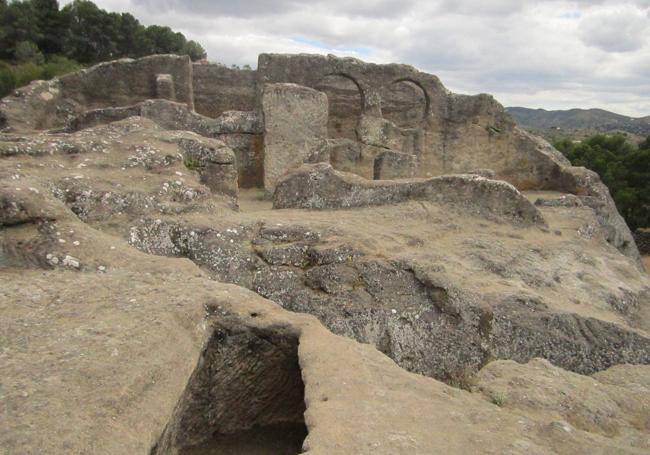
(319, 256)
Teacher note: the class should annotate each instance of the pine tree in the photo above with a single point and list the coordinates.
(50, 25)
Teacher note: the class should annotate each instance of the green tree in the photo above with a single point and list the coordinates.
(27, 52)
(163, 40)
(623, 167)
(130, 37)
(194, 50)
(645, 145)
(90, 32)
(18, 23)
(7, 80)
(50, 25)
(34, 34)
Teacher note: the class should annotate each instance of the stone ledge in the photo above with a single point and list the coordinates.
(319, 186)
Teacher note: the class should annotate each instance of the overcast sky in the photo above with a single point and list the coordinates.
(553, 54)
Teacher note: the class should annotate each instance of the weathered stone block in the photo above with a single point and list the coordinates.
(345, 154)
(165, 87)
(319, 186)
(239, 122)
(390, 165)
(295, 129)
(218, 89)
(249, 157)
(215, 163)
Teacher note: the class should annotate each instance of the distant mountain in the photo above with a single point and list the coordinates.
(596, 120)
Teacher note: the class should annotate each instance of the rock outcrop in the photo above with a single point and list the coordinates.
(319, 186)
(295, 129)
(437, 280)
(384, 122)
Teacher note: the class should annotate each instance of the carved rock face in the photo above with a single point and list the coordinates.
(295, 129)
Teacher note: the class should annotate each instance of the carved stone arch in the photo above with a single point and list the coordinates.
(405, 102)
(346, 99)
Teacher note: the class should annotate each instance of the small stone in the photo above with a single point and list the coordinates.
(61, 240)
(76, 243)
(394, 311)
(101, 268)
(70, 261)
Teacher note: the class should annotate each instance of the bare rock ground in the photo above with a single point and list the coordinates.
(107, 348)
(108, 361)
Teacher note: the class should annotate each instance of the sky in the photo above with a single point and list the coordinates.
(551, 54)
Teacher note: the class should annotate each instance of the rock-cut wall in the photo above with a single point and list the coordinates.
(53, 104)
(218, 89)
(374, 108)
(383, 122)
(124, 82)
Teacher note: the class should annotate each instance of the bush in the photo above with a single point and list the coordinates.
(27, 52)
(15, 76)
(7, 80)
(58, 65)
(26, 73)
(499, 398)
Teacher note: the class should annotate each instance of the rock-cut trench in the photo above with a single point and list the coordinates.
(245, 396)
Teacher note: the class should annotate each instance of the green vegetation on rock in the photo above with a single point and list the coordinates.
(623, 167)
(39, 40)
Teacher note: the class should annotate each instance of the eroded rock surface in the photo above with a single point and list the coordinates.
(321, 187)
(295, 129)
(127, 244)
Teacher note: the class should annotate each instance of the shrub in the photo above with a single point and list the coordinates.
(7, 80)
(499, 397)
(58, 65)
(27, 52)
(26, 73)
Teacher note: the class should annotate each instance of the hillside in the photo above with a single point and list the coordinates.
(585, 121)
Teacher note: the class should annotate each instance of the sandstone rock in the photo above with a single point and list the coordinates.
(445, 132)
(127, 81)
(249, 156)
(380, 132)
(168, 114)
(230, 122)
(321, 187)
(214, 161)
(345, 154)
(218, 88)
(390, 165)
(295, 129)
(455, 277)
(165, 87)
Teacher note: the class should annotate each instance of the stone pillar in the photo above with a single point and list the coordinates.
(165, 87)
(295, 129)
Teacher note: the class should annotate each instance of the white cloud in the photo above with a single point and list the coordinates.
(537, 53)
(623, 28)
